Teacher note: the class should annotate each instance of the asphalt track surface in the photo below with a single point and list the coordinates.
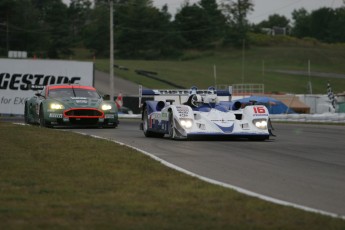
(304, 164)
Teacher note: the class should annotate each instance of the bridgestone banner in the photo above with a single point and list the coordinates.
(16, 76)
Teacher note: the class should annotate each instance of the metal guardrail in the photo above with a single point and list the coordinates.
(307, 118)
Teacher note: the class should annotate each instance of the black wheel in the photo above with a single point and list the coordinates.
(26, 114)
(43, 122)
(259, 138)
(112, 126)
(148, 133)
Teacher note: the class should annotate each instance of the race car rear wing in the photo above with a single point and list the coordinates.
(181, 95)
(155, 92)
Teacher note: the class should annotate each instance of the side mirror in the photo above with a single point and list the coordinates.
(36, 87)
(106, 97)
(170, 101)
(40, 95)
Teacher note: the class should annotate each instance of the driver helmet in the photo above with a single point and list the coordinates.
(211, 99)
(196, 100)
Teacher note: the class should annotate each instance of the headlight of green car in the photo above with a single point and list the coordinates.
(106, 107)
(56, 106)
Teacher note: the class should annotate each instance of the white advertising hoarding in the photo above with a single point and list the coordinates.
(17, 75)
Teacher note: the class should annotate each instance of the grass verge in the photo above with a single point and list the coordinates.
(258, 61)
(51, 179)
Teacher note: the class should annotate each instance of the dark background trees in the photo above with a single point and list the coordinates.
(37, 26)
(95, 32)
(50, 29)
(200, 24)
(236, 13)
(302, 22)
(141, 29)
(324, 24)
(275, 20)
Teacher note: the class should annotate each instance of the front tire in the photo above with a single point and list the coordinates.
(43, 122)
(26, 114)
(259, 138)
(172, 131)
(148, 133)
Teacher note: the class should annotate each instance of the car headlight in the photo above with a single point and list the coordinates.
(56, 106)
(186, 123)
(106, 107)
(260, 123)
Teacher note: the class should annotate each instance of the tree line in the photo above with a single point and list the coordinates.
(50, 28)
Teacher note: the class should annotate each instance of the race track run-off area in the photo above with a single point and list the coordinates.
(303, 166)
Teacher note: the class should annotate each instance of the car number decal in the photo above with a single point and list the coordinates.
(260, 109)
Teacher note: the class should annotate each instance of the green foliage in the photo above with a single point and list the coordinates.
(96, 34)
(192, 23)
(200, 25)
(302, 22)
(215, 19)
(49, 29)
(324, 24)
(275, 20)
(79, 13)
(195, 54)
(15, 18)
(57, 19)
(39, 27)
(143, 30)
(236, 13)
(258, 39)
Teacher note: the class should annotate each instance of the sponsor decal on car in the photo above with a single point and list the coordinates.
(79, 98)
(55, 115)
(260, 115)
(157, 116)
(182, 111)
(81, 101)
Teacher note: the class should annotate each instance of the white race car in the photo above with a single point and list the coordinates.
(192, 113)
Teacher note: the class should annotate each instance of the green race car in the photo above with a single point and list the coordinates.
(70, 105)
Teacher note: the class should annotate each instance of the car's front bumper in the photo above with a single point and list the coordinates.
(59, 119)
(222, 136)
